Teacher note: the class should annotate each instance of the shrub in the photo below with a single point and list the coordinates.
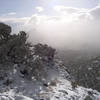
(17, 50)
(5, 31)
(44, 51)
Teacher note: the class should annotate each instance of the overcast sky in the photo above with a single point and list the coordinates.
(61, 23)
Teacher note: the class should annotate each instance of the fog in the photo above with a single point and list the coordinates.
(76, 35)
(76, 29)
(69, 27)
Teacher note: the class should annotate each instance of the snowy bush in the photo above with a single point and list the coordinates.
(15, 49)
(44, 51)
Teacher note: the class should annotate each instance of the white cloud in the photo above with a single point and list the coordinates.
(17, 24)
(12, 13)
(39, 9)
(70, 27)
(69, 10)
(14, 20)
(72, 13)
(8, 14)
(66, 9)
(95, 12)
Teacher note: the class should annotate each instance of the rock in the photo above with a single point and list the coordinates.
(45, 84)
(57, 97)
(53, 83)
(88, 98)
(41, 99)
(63, 91)
(90, 92)
(3, 97)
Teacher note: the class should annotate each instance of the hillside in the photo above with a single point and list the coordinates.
(32, 72)
(57, 86)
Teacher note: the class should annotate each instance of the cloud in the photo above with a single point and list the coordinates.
(63, 9)
(12, 13)
(72, 13)
(70, 27)
(69, 10)
(39, 8)
(13, 20)
(95, 12)
(8, 14)
(17, 24)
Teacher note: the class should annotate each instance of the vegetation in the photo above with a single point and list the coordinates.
(84, 70)
(15, 49)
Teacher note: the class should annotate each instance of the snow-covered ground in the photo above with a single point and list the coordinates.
(59, 87)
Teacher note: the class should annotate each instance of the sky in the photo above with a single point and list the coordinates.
(24, 8)
(60, 23)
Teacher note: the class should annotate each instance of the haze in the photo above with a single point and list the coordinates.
(61, 24)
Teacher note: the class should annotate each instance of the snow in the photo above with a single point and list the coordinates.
(24, 89)
(18, 97)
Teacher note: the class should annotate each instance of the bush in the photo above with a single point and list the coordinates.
(17, 50)
(44, 51)
(5, 31)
